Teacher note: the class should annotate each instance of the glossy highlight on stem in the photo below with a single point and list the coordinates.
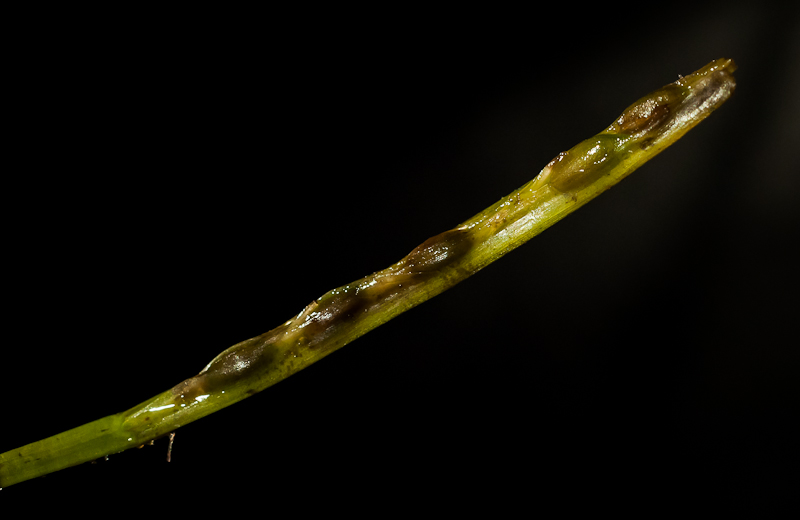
(341, 315)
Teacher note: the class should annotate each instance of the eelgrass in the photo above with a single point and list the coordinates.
(343, 314)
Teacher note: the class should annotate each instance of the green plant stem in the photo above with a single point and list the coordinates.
(338, 317)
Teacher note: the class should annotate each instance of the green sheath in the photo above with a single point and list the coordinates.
(343, 314)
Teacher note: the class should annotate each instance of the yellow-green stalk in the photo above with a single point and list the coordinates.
(339, 316)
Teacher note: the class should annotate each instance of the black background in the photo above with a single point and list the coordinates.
(192, 180)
